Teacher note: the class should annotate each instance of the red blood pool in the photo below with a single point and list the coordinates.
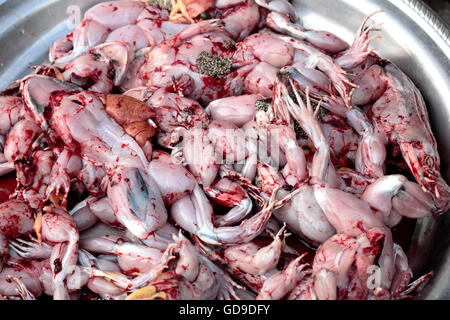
(7, 186)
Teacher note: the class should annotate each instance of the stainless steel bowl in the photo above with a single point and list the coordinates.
(414, 38)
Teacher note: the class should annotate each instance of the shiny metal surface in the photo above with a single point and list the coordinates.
(414, 38)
